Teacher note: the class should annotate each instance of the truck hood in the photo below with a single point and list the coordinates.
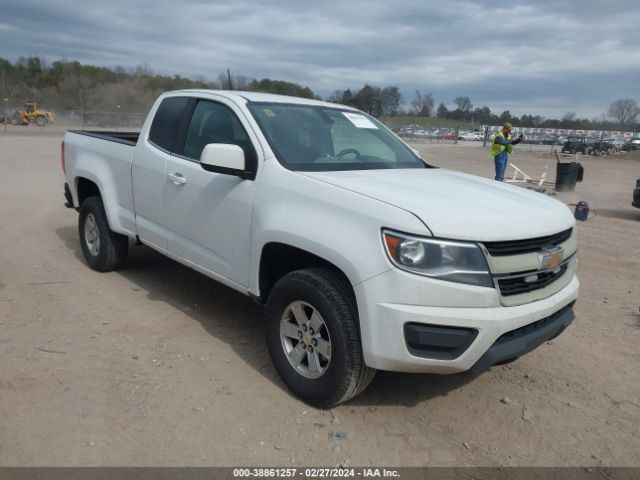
(457, 205)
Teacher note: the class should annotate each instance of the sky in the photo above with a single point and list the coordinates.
(537, 57)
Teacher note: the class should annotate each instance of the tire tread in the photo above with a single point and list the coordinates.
(114, 247)
(333, 286)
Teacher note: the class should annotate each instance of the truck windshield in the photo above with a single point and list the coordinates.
(315, 138)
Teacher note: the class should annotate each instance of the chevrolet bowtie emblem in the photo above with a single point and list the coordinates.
(550, 257)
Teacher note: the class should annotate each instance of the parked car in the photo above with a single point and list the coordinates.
(600, 147)
(617, 144)
(448, 135)
(473, 136)
(636, 194)
(576, 145)
(363, 256)
(631, 146)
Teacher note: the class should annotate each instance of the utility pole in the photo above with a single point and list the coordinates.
(4, 102)
(229, 77)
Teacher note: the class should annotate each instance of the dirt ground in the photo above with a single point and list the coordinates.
(158, 365)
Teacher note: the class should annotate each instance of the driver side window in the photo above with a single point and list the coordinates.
(348, 136)
(215, 123)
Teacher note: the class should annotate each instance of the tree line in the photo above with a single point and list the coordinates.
(621, 114)
(70, 85)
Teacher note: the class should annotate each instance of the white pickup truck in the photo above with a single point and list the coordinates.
(364, 256)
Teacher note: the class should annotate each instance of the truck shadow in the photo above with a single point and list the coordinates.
(409, 389)
(619, 213)
(236, 320)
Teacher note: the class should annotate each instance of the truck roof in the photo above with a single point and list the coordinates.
(261, 97)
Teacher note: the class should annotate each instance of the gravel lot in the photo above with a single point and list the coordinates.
(158, 365)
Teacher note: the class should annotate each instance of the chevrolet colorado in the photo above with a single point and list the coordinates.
(364, 256)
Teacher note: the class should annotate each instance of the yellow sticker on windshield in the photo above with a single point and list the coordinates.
(268, 112)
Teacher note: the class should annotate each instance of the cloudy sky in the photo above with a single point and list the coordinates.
(539, 57)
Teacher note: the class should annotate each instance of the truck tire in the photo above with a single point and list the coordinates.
(313, 337)
(41, 121)
(103, 249)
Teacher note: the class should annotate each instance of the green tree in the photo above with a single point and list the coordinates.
(369, 99)
(482, 115)
(281, 87)
(463, 103)
(8, 78)
(390, 97)
(505, 117)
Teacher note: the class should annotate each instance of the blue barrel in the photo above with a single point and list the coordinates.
(582, 211)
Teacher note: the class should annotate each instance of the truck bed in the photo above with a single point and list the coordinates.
(127, 138)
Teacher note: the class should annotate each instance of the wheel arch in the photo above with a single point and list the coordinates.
(278, 259)
(86, 188)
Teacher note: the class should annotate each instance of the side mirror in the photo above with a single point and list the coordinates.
(225, 158)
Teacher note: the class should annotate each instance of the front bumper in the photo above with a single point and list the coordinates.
(478, 310)
(516, 343)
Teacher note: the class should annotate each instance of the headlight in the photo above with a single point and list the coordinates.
(453, 261)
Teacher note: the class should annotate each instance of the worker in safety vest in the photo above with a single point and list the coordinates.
(501, 147)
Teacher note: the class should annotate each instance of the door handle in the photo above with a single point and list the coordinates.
(177, 178)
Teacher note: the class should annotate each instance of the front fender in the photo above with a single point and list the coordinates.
(335, 224)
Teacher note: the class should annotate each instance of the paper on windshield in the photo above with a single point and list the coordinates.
(359, 120)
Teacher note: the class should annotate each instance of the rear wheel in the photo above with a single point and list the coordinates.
(103, 249)
(313, 337)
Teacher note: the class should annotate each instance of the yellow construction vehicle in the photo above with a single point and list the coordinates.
(31, 114)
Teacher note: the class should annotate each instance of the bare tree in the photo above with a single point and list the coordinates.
(463, 103)
(344, 97)
(238, 82)
(336, 97)
(76, 86)
(423, 104)
(624, 111)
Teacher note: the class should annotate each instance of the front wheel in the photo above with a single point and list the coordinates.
(41, 121)
(103, 249)
(313, 337)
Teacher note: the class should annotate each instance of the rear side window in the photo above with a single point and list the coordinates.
(166, 123)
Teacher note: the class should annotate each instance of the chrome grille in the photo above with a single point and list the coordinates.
(530, 281)
(518, 247)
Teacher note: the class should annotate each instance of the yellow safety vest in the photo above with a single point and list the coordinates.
(497, 149)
